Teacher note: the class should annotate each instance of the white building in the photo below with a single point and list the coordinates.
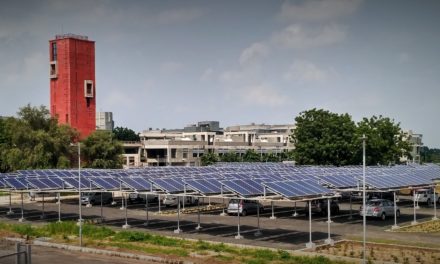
(104, 121)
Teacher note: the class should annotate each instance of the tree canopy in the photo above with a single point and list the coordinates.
(325, 138)
(125, 134)
(34, 141)
(102, 150)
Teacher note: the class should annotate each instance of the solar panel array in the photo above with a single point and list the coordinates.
(241, 179)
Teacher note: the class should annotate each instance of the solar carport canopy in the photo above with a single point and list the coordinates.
(246, 180)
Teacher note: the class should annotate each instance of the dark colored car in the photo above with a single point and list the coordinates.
(320, 207)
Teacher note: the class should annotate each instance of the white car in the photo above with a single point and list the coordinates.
(426, 196)
(171, 200)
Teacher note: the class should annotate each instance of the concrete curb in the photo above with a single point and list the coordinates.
(103, 252)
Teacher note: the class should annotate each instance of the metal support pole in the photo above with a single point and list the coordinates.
(435, 204)
(351, 208)
(223, 213)
(18, 256)
(79, 193)
(198, 227)
(395, 226)
(295, 214)
(178, 230)
(310, 244)
(42, 215)
(273, 213)
(159, 203)
(102, 215)
(126, 226)
(22, 210)
(414, 205)
(28, 254)
(10, 212)
(122, 202)
(59, 207)
(258, 232)
(238, 236)
(329, 240)
(184, 197)
(147, 220)
(364, 209)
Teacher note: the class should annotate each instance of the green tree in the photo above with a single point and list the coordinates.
(209, 159)
(385, 142)
(229, 157)
(323, 138)
(430, 155)
(125, 134)
(34, 141)
(251, 156)
(102, 150)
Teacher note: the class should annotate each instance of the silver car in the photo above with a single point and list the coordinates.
(244, 207)
(380, 208)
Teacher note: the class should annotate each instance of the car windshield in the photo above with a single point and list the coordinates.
(234, 201)
(374, 203)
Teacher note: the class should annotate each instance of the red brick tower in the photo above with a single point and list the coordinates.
(72, 82)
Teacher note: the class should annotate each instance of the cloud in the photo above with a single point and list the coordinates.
(305, 71)
(299, 37)
(171, 67)
(403, 57)
(174, 16)
(263, 95)
(253, 53)
(207, 74)
(318, 10)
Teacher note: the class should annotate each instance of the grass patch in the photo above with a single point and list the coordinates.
(426, 227)
(144, 242)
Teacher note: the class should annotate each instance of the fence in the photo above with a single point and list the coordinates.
(22, 254)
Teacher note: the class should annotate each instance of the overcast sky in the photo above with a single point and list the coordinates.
(165, 64)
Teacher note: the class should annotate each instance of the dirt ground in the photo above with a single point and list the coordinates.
(389, 253)
(44, 255)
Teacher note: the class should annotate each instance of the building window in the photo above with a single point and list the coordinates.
(88, 88)
(54, 51)
(53, 69)
(185, 153)
(173, 153)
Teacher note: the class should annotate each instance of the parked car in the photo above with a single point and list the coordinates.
(171, 200)
(380, 208)
(320, 207)
(244, 207)
(95, 197)
(141, 198)
(426, 196)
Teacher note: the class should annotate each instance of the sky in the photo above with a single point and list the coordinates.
(166, 64)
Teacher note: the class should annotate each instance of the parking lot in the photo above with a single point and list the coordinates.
(284, 232)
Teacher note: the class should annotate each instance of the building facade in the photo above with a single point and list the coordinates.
(72, 82)
(104, 121)
(185, 147)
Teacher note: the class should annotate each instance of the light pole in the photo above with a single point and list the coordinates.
(79, 194)
(364, 217)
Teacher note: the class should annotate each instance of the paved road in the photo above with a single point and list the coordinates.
(286, 231)
(44, 255)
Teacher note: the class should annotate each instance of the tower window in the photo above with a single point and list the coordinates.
(53, 69)
(88, 88)
(54, 51)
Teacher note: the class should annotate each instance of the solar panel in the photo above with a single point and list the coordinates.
(16, 183)
(294, 189)
(167, 185)
(210, 186)
(136, 183)
(105, 183)
(244, 187)
(37, 184)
